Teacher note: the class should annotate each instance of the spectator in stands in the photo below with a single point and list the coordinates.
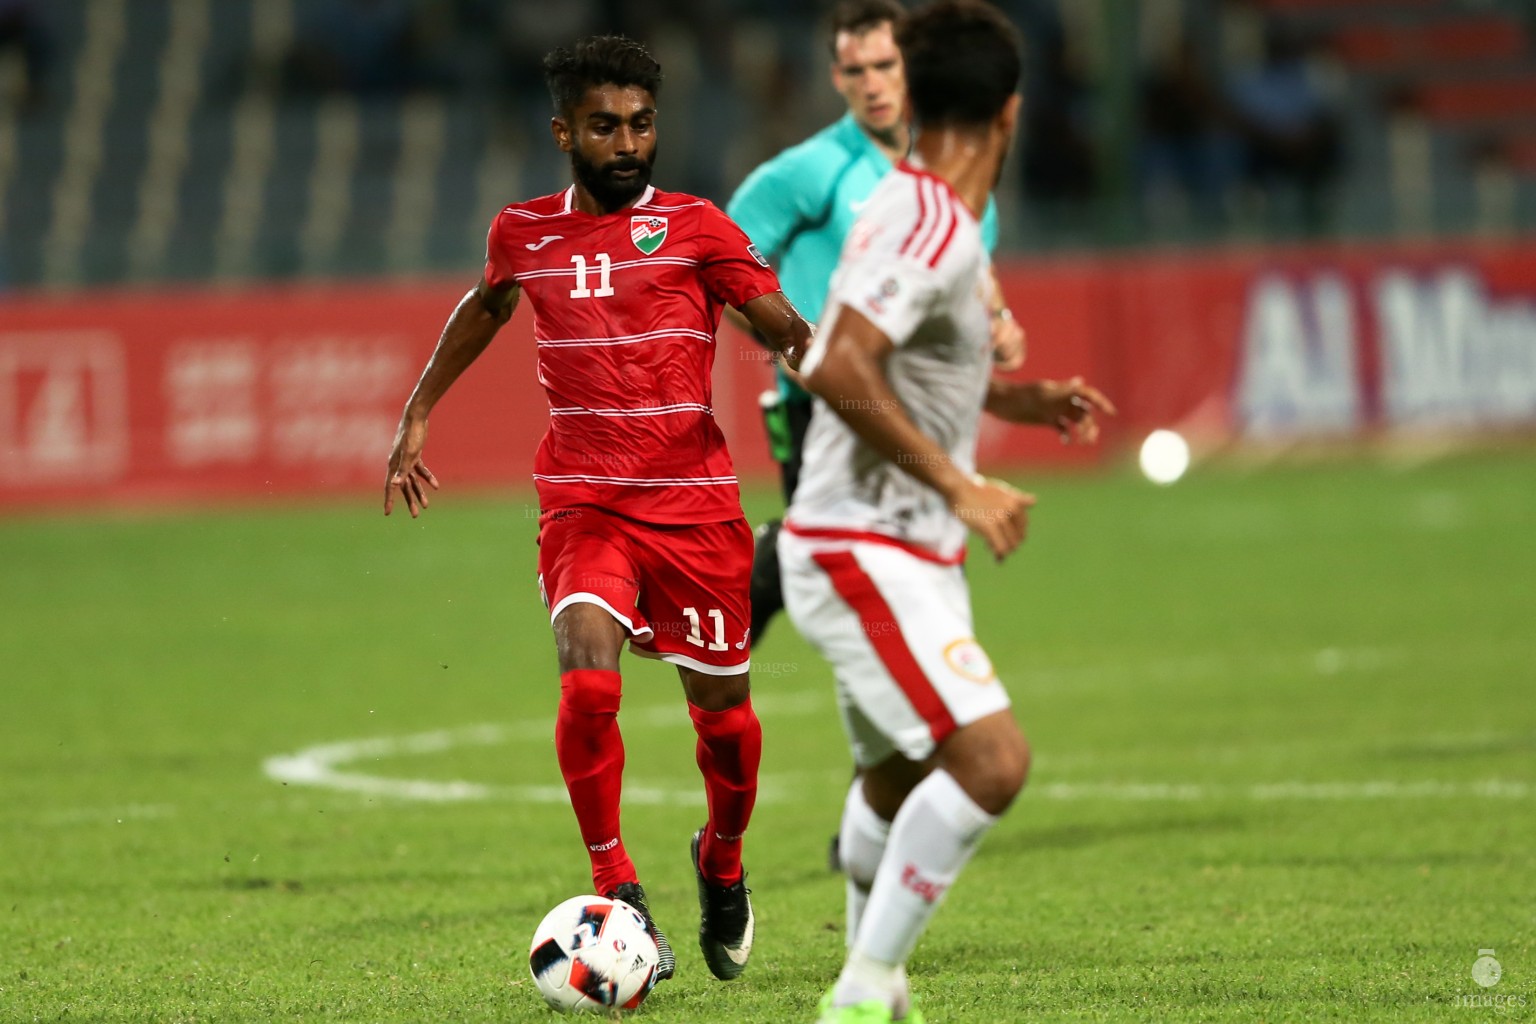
(1058, 160)
(358, 46)
(1187, 151)
(522, 34)
(1289, 129)
(22, 31)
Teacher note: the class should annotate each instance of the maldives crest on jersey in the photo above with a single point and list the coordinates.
(648, 233)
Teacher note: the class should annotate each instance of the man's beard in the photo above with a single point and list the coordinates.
(610, 192)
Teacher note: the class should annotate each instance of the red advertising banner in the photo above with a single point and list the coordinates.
(175, 395)
(1318, 343)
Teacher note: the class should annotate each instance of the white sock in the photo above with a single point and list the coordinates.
(865, 979)
(935, 833)
(860, 846)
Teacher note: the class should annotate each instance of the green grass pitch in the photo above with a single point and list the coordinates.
(1284, 723)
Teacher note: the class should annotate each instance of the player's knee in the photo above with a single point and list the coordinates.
(584, 655)
(991, 762)
(587, 637)
(998, 784)
(1013, 766)
(714, 693)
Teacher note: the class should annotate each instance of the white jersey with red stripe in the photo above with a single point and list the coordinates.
(896, 628)
(625, 307)
(914, 265)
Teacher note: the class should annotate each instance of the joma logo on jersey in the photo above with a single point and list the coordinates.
(648, 233)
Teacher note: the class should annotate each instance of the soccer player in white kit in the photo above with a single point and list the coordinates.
(874, 538)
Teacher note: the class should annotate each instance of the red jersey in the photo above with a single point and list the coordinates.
(625, 309)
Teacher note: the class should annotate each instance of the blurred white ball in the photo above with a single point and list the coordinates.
(1164, 456)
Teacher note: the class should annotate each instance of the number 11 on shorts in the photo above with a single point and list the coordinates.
(718, 644)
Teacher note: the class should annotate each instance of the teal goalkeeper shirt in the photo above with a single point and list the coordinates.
(798, 207)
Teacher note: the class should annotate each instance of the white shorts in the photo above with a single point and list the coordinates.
(897, 631)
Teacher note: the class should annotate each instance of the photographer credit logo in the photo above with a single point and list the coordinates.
(1487, 972)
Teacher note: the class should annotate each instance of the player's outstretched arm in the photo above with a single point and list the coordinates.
(1070, 406)
(849, 375)
(780, 325)
(470, 328)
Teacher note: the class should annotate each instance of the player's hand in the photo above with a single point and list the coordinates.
(1072, 407)
(406, 470)
(996, 511)
(794, 354)
(1008, 342)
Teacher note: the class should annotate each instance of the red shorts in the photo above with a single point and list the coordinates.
(681, 591)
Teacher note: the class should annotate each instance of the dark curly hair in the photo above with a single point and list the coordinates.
(596, 61)
(962, 60)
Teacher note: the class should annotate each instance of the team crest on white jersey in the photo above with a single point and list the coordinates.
(889, 289)
(969, 661)
(648, 233)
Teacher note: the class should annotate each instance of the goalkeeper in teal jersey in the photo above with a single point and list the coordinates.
(798, 207)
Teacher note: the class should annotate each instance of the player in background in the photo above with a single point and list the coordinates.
(798, 208)
(641, 533)
(872, 544)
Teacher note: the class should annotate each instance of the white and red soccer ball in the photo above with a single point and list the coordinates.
(592, 954)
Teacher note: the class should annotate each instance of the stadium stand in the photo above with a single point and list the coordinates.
(144, 140)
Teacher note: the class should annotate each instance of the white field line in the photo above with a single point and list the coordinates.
(329, 765)
(109, 815)
(1270, 792)
(1325, 661)
(791, 786)
(326, 765)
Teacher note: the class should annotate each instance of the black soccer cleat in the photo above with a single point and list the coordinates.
(765, 587)
(633, 894)
(725, 921)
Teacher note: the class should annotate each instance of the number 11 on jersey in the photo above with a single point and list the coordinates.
(604, 288)
(718, 643)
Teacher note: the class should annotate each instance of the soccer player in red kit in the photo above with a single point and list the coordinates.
(641, 533)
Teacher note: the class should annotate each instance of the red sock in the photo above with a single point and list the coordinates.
(591, 755)
(729, 751)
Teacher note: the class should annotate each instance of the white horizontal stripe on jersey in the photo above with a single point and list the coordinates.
(657, 410)
(679, 206)
(624, 339)
(636, 481)
(570, 271)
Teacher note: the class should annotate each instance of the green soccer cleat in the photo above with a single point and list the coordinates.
(871, 1011)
